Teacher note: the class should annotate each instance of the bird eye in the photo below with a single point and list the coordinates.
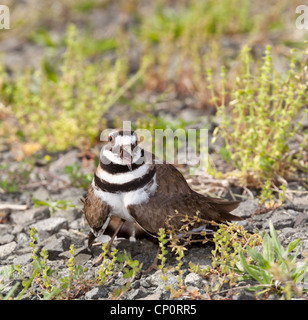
(111, 139)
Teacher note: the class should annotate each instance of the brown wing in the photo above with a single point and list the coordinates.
(151, 216)
(170, 180)
(96, 212)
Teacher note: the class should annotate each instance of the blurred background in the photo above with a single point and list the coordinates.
(70, 69)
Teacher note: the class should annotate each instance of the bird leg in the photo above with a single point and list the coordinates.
(154, 265)
(100, 258)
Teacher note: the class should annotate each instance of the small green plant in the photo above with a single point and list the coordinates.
(71, 266)
(275, 268)
(32, 244)
(64, 106)
(71, 286)
(39, 269)
(229, 240)
(14, 179)
(176, 293)
(54, 205)
(129, 269)
(71, 262)
(134, 267)
(162, 256)
(106, 271)
(45, 269)
(199, 270)
(77, 178)
(261, 121)
(53, 285)
(178, 240)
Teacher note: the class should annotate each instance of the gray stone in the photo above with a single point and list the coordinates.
(55, 246)
(23, 259)
(162, 293)
(136, 294)
(41, 194)
(67, 159)
(18, 228)
(7, 249)
(193, 279)
(301, 219)
(156, 280)
(82, 255)
(152, 296)
(82, 258)
(51, 225)
(281, 221)
(246, 208)
(244, 295)
(144, 282)
(97, 293)
(4, 229)
(301, 201)
(23, 240)
(70, 214)
(201, 256)
(77, 224)
(6, 238)
(135, 284)
(24, 217)
(71, 194)
(171, 279)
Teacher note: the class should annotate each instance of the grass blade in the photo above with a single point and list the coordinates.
(11, 292)
(277, 245)
(293, 244)
(256, 256)
(268, 251)
(250, 270)
(27, 285)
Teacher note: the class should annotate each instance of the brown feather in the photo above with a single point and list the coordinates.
(152, 216)
(96, 211)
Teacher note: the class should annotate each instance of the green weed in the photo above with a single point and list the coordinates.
(229, 241)
(162, 255)
(15, 179)
(77, 177)
(66, 109)
(129, 269)
(259, 121)
(53, 205)
(275, 268)
(106, 269)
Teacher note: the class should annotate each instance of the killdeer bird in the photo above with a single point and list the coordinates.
(131, 193)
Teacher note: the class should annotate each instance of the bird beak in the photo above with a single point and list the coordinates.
(126, 155)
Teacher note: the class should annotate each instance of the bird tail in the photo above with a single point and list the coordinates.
(224, 208)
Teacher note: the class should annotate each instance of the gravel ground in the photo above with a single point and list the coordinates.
(56, 231)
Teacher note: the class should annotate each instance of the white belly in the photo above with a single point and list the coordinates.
(119, 202)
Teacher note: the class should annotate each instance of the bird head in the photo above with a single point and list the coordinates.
(122, 147)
